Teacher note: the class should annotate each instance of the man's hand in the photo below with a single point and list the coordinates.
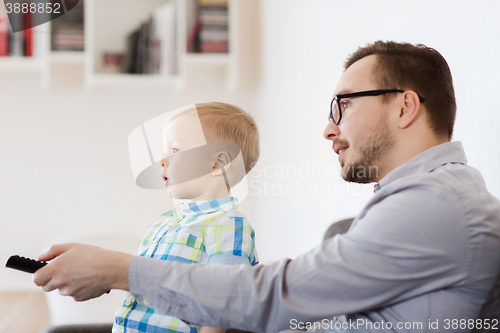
(83, 271)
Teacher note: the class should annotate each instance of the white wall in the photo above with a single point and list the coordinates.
(64, 159)
(304, 44)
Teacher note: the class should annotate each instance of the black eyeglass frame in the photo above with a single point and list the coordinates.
(377, 92)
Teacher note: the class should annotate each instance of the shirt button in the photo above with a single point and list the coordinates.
(127, 302)
(146, 302)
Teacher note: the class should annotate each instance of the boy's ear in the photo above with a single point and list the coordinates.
(221, 160)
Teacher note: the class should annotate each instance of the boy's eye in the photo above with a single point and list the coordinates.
(175, 150)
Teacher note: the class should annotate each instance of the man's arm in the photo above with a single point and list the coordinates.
(83, 271)
(396, 252)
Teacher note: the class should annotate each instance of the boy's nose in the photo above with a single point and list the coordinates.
(164, 165)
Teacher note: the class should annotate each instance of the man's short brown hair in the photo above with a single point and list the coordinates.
(418, 68)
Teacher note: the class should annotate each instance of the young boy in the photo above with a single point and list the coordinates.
(208, 150)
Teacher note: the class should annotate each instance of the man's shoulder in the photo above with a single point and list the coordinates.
(415, 206)
(450, 184)
(462, 178)
(450, 205)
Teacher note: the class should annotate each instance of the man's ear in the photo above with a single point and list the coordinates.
(221, 160)
(409, 109)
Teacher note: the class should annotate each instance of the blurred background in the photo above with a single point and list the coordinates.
(72, 90)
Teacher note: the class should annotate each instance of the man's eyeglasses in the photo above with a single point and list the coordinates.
(337, 108)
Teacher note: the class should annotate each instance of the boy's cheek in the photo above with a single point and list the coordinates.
(188, 165)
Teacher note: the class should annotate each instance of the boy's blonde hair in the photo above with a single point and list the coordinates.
(222, 122)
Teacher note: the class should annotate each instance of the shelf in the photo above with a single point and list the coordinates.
(208, 58)
(130, 80)
(67, 56)
(20, 63)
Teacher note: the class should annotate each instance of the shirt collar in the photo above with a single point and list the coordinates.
(427, 161)
(201, 207)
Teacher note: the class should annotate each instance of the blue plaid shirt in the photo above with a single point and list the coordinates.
(212, 232)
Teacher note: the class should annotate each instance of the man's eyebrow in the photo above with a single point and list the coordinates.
(342, 92)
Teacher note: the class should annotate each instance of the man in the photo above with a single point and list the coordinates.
(421, 255)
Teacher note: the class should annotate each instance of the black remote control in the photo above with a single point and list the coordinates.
(24, 264)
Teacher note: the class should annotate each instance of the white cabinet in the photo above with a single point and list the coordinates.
(108, 23)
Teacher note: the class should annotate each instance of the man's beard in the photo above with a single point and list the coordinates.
(372, 149)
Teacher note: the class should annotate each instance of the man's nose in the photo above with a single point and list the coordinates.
(331, 131)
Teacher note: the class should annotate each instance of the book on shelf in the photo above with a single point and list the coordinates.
(193, 41)
(131, 52)
(4, 35)
(27, 35)
(68, 30)
(20, 43)
(210, 29)
(165, 32)
(112, 62)
(213, 2)
(142, 48)
(152, 47)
